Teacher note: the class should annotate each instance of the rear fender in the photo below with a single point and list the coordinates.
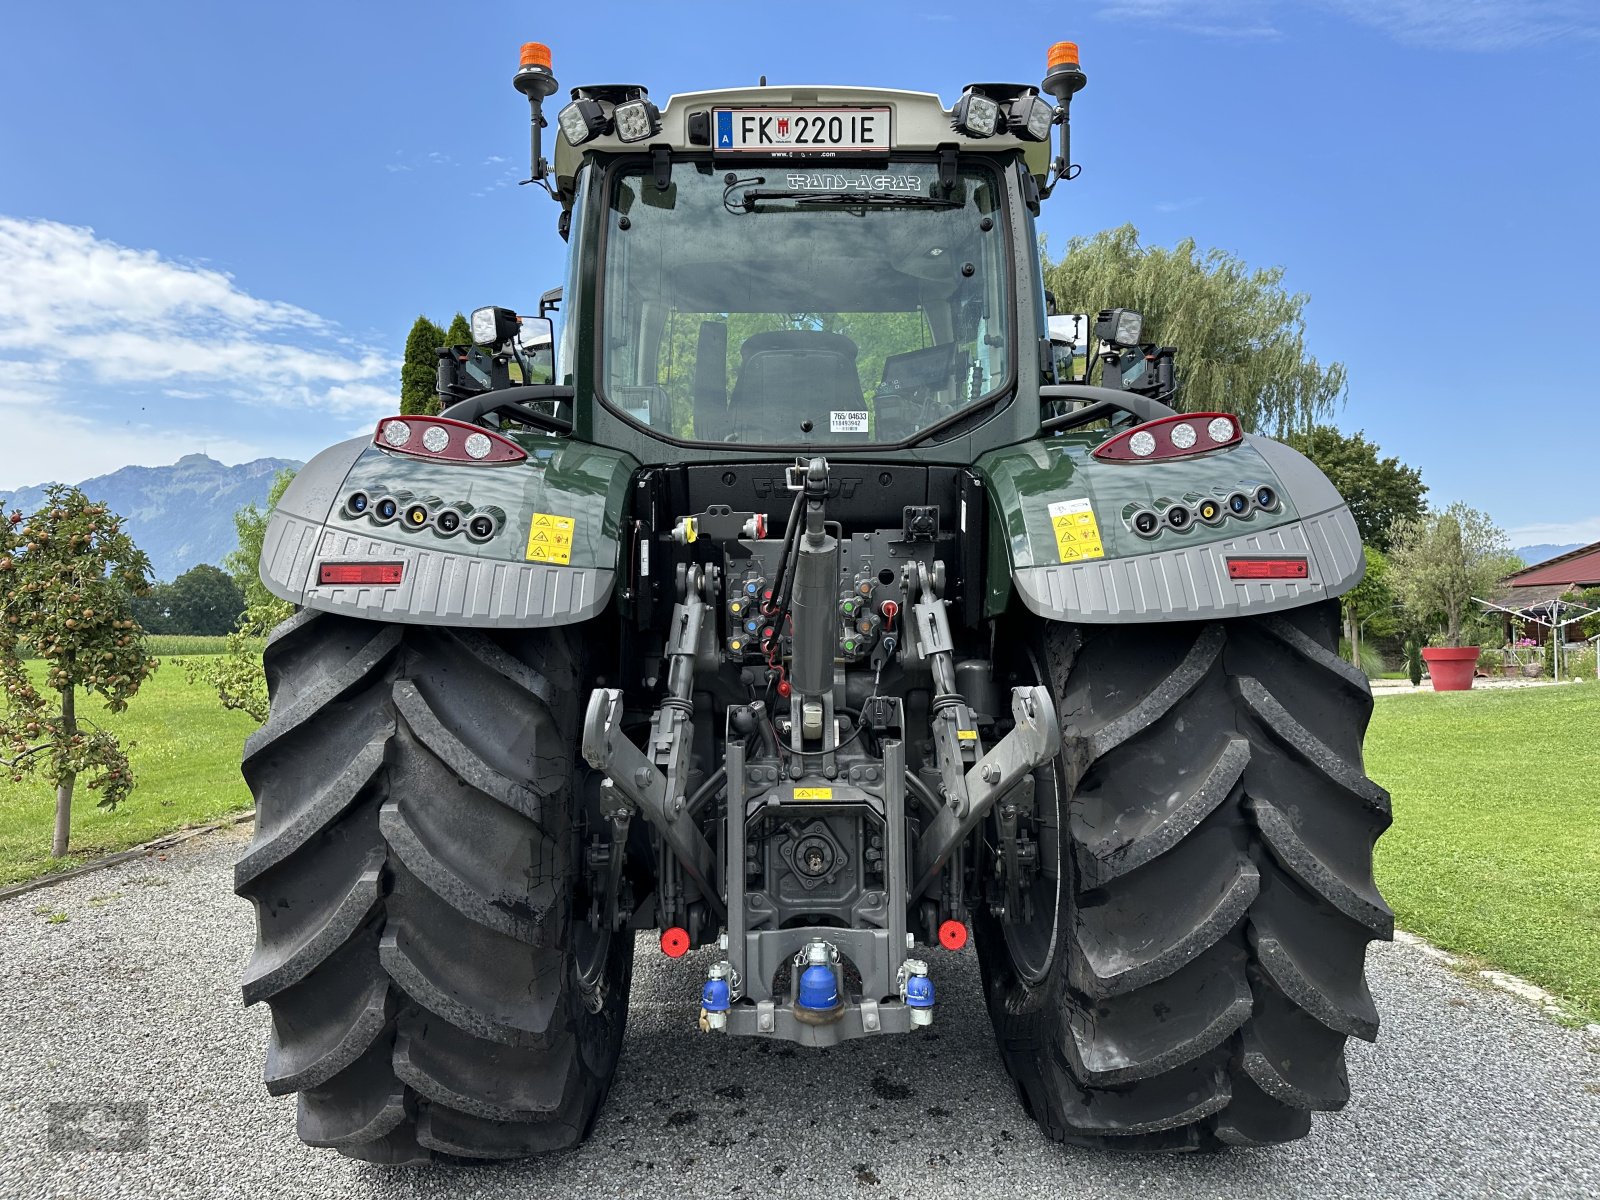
(552, 560)
(1099, 571)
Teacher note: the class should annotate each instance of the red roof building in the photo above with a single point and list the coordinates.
(1533, 592)
(1575, 569)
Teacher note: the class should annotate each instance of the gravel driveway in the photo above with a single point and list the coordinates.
(133, 1000)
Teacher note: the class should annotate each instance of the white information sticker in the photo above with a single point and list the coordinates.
(847, 420)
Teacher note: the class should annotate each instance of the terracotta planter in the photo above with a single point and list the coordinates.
(1451, 667)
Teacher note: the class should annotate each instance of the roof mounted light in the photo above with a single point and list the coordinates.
(582, 120)
(636, 119)
(975, 114)
(493, 326)
(1118, 326)
(1030, 116)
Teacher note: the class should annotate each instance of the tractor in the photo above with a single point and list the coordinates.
(820, 612)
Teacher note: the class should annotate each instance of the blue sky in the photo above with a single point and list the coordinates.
(217, 222)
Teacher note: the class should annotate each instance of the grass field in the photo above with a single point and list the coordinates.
(186, 767)
(164, 645)
(1495, 848)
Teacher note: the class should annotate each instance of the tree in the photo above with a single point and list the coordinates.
(236, 674)
(1369, 607)
(1240, 335)
(67, 576)
(1379, 491)
(250, 523)
(459, 333)
(204, 600)
(419, 372)
(1438, 562)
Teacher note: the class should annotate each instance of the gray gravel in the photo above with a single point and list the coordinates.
(133, 999)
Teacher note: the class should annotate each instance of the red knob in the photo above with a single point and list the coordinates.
(953, 935)
(890, 611)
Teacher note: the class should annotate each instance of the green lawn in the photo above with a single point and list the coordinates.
(186, 769)
(1495, 848)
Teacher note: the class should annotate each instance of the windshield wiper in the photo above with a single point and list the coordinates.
(747, 201)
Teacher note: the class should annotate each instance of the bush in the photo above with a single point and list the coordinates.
(1414, 662)
(1491, 662)
(1580, 664)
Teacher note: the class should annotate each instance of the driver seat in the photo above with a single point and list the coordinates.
(788, 376)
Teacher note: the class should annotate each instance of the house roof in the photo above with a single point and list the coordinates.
(1533, 600)
(1575, 568)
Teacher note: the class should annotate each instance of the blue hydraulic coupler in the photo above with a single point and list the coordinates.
(917, 989)
(714, 999)
(819, 988)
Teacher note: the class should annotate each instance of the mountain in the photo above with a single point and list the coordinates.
(180, 515)
(1543, 552)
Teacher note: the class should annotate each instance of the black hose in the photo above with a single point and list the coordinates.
(921, 791)
(706, 790)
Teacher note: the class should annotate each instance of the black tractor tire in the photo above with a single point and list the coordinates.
(1195, 955)
(433, 991)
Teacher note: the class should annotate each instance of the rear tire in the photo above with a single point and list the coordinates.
(413, 873)
(1194, 961)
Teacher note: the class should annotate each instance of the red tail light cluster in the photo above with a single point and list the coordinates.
(446, 440)
(1181, 436)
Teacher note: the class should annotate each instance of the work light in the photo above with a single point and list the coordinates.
(636, 119)
(581, 120)
(975, 114)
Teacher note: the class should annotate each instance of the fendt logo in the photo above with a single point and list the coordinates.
(774, 485)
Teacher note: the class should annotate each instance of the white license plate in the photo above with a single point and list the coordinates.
(788, 131)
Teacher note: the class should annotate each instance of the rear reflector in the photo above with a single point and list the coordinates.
(675, 942)
(359, 573)
(1268, 568)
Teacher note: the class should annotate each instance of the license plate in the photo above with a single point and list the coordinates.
(781, 132)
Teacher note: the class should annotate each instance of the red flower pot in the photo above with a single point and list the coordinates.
(1451, 667)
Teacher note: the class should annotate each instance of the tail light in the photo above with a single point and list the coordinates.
(446, 440)
(1180, 436)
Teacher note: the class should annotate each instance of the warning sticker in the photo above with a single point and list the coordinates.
(1077, 532)
(847, 420)
(550, 539)
(813, 793)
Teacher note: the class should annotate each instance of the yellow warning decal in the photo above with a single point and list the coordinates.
(967, 735)
(813, 793)
(550, 539)
(1077, 532)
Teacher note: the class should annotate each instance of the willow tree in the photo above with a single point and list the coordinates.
(1240, 335)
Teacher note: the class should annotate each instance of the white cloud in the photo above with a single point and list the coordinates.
(1235, 19)
(66, 448)
(1557, 533)
(93, 333)
(1472, 25)
(1475, 24)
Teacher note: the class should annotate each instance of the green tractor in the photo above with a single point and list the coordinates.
(812, 617)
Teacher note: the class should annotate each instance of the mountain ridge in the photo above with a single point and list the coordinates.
(181, 515)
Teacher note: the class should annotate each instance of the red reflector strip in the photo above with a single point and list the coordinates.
(1268, 568)
(359, 573)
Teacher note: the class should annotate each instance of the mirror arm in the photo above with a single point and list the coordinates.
(1102, 403)
(516, 402)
